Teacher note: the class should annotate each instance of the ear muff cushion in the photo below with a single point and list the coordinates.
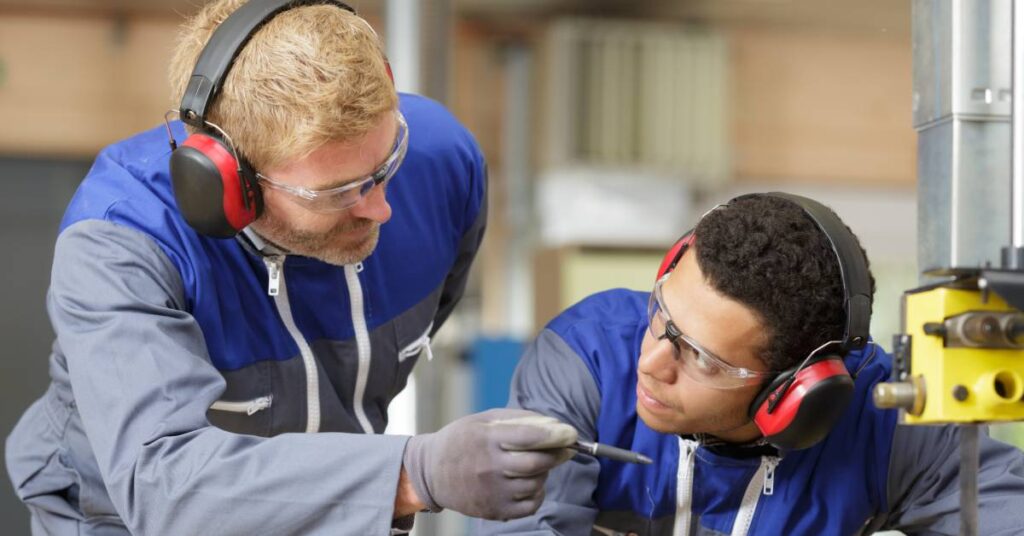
(809, 407)
(675, 253)
(208, 188)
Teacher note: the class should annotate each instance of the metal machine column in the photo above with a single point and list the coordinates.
(962, 108)
(968, 97)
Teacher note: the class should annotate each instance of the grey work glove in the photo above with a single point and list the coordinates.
(490, 465)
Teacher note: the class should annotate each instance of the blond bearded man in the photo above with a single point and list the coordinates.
(214, 379)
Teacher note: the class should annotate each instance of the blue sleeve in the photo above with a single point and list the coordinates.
(476, 212)
(449, 150)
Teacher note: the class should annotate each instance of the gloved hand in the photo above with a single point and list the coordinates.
(490, 465)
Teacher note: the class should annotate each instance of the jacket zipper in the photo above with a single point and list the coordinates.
(420, 344)
(684, 486)
(355, 293)
(274, 265)
(249, 407)
(769, 475)
(277, 288)
(762, 483)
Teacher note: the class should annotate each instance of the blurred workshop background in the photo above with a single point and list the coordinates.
(609, 127)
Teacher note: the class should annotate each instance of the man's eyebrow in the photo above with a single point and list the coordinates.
(699, 345)
(338, 183)
(344, 182)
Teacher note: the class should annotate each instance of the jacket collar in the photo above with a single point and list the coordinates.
(754, 449)
(258, 245)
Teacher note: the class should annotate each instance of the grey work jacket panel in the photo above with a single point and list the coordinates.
(130, 445)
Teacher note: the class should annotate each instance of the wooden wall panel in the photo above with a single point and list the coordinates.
(144, 59)
(817, 107)
(72, 85)
(477, 99)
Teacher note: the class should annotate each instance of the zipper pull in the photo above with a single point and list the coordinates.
(427, 350)
(689, 448)
(259, 404)
(769, 475)
(273, 275)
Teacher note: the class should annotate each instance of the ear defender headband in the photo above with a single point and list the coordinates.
(798, 408)
(215, 187)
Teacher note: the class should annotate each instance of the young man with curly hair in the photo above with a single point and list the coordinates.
(680, 375)
(203, 384)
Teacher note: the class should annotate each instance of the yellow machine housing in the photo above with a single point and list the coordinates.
(962, 384)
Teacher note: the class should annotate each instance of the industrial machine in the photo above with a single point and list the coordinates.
(960, 355)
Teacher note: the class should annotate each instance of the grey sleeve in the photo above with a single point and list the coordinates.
(142, 382)
(551, 379)
(455, 282)
(923, 483)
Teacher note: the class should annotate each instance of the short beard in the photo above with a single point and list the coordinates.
(319, 245)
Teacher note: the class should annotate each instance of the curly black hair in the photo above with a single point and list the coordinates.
(768, 254)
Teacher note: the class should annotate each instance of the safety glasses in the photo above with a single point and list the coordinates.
(344, 197)
(696, 362)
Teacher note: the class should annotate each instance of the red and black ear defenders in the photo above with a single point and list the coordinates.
(216, 189)
(798, 407)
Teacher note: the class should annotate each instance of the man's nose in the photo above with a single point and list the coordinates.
(658, 362)
(373, 207)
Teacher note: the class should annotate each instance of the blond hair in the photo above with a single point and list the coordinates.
(311, 75)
